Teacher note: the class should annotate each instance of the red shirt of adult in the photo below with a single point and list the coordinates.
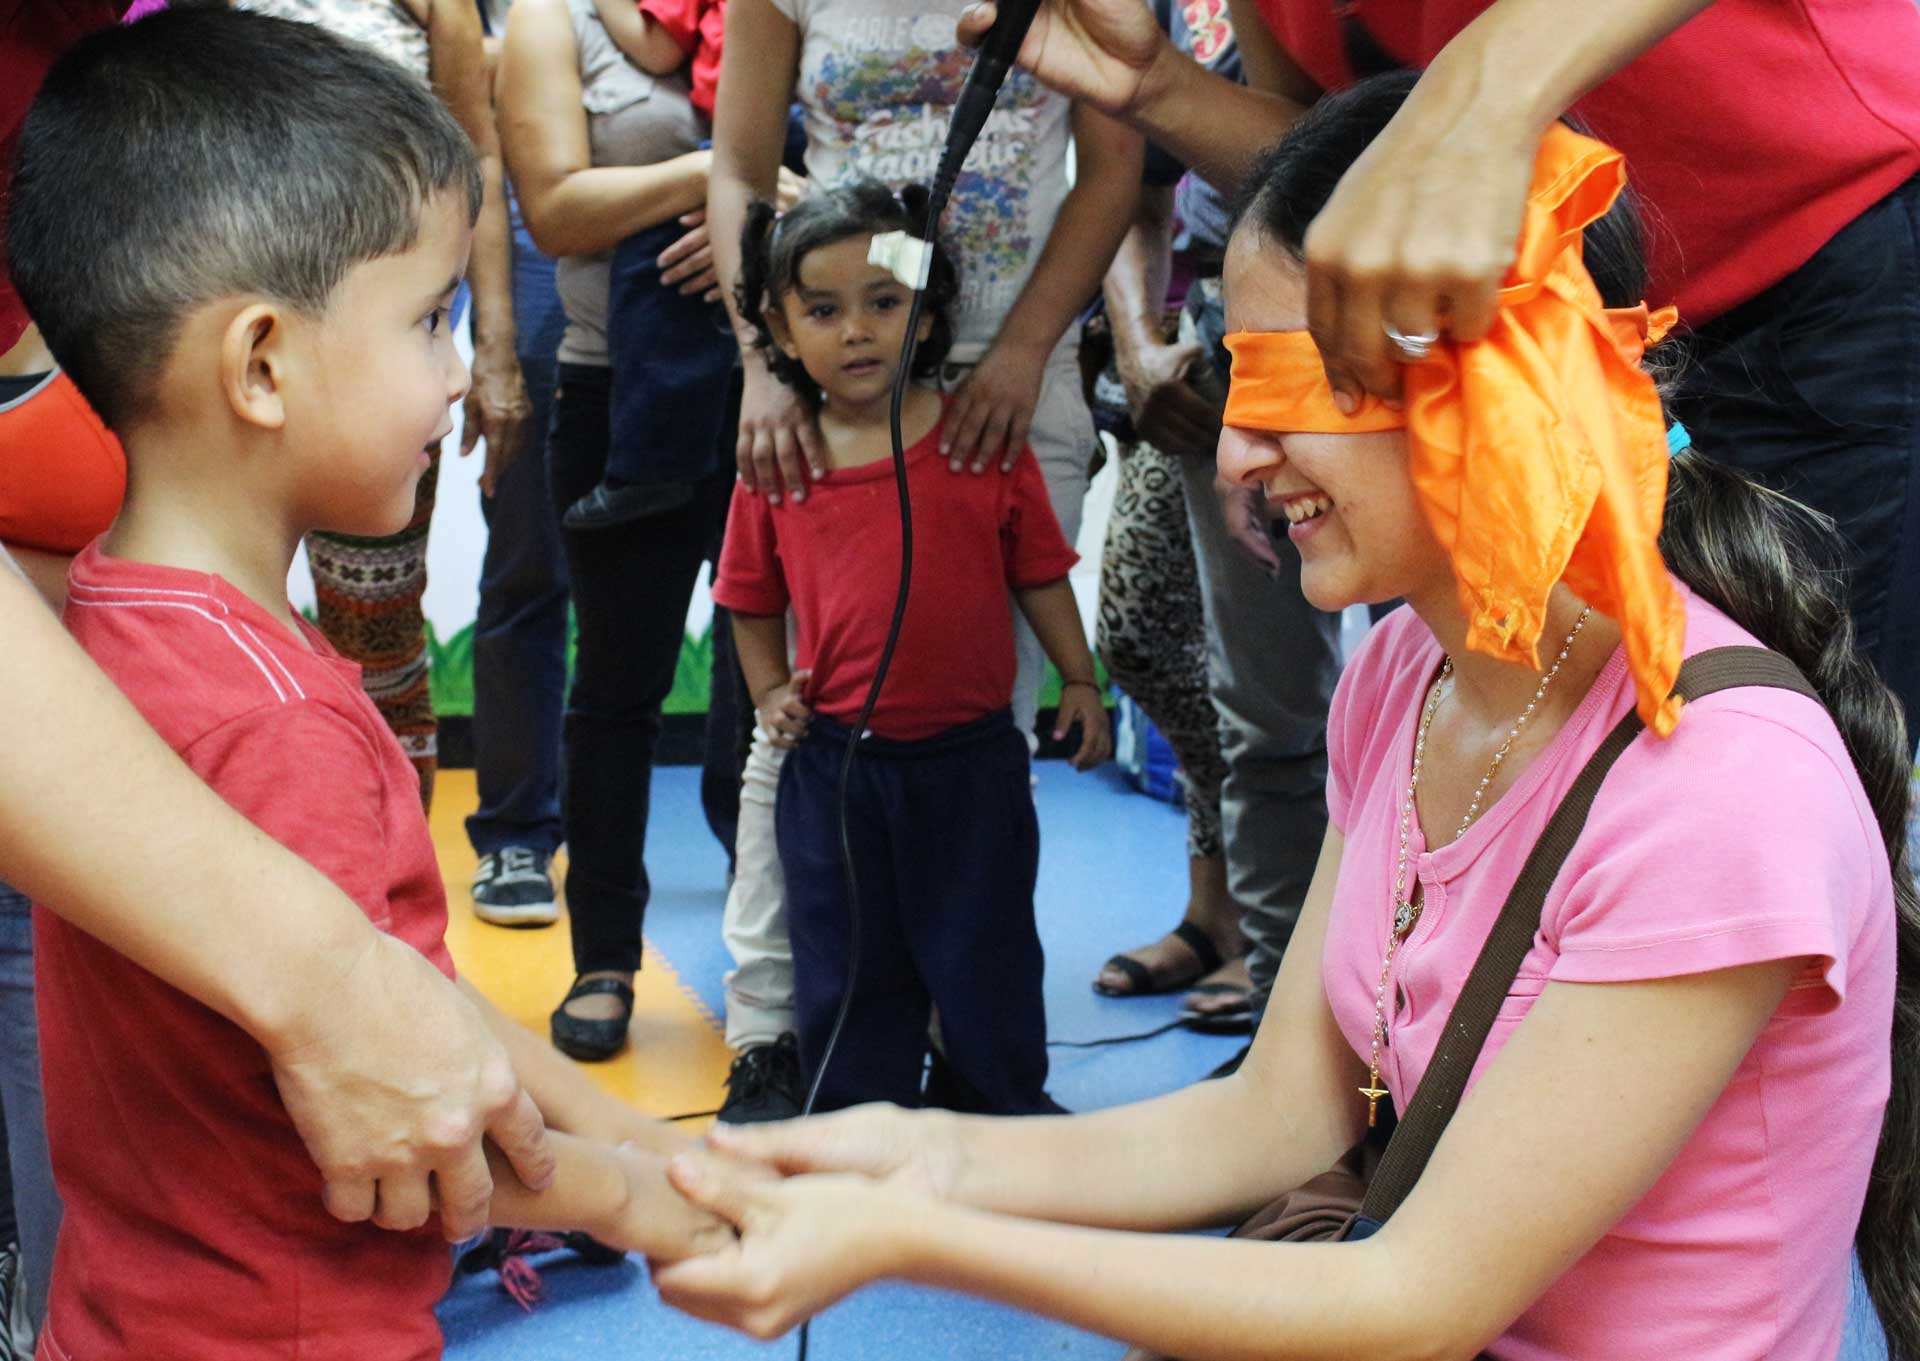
(836, 557)
(1755, 131)
(194, 1226)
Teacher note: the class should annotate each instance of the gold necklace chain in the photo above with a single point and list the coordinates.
(1405, 913)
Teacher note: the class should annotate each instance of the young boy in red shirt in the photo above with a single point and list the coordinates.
(241, 238)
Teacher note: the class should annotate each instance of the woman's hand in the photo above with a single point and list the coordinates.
(688, 263)
(1418, 235)
(779, 445)
(919, 1150)
(805, 1243)
(497, 410)
(783, 711)
(993, 410)
(1167, 411)
(1103, 52)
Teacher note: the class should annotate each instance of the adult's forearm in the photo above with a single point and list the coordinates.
(1523, 63)
(490, 268)
(1211, 124)
(1205, 1299)
(594, 209)
(738, 178)
(1175, 1162)
(104, 825)
(1136, 282)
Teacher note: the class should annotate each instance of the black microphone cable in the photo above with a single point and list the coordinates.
(991, 66)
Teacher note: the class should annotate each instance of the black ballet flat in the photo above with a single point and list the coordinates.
(592, 1041)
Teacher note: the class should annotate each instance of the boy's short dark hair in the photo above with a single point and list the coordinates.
(205, 152)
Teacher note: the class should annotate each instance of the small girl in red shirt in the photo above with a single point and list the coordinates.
(661, 36)
(939, 807)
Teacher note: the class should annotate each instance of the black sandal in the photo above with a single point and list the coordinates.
(1143, 980)
(592, 1041)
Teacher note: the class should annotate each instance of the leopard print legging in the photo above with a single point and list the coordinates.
(1153, 630)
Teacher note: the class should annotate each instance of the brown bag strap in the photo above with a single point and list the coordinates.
(1438, 1095)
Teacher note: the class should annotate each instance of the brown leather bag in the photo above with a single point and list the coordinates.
(1354, 1197)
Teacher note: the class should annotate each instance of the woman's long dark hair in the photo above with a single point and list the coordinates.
(773, 246)
(1771, 565)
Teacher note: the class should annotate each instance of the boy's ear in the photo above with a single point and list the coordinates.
(255, 364)
(776, 319)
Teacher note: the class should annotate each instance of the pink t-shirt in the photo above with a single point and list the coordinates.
(1742, 838)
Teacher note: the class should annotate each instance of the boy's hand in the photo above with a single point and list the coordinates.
(993, 410)
(652, 1219)
(1081, 702)
(783, 711)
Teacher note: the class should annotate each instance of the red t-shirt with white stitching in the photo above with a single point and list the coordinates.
(194, 1225)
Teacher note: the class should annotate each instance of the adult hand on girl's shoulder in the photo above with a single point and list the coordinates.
(1104, 52)
(804, 1243)
(783, 710)
(779, 446)
(992, 412)
(1084, 705)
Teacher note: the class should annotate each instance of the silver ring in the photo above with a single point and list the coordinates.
(1412, 348)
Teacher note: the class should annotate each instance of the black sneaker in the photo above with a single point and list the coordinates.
(764, 1084)
(512, 888)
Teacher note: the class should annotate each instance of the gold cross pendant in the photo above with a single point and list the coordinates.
(1373, 1095)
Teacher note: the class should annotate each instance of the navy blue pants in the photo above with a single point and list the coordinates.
(520, 632)
(946, 848)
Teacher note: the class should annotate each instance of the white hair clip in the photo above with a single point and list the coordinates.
(906, 257)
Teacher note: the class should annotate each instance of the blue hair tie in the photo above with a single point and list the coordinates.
(1678, 439)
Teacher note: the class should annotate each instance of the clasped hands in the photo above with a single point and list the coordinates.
(817, 1208)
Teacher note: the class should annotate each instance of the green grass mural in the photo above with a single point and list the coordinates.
(450, 672)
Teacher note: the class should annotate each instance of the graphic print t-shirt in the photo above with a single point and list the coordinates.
(878, 81)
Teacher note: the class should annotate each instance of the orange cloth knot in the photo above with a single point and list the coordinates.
(1538, 453)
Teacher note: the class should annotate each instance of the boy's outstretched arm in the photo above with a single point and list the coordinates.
(1055, 619)
(570, 1101)
(617, 1193)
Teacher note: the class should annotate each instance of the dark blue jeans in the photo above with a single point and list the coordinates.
(29, 1171)
(946, 914)
(520, 632)
(673, 359)
(1813, 388)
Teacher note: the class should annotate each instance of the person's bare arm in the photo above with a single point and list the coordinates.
(1167, 411)
(569, 1100)
(619, 1194)
(779, 445)
(993, 410)
(1522, 1185)
(46, 571)
(389, 1074)
(497, 407)
(1421, 229)
(643, 39)
(1112, 55)
(1110, 1168)
(571, 206)
(1055, 619)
